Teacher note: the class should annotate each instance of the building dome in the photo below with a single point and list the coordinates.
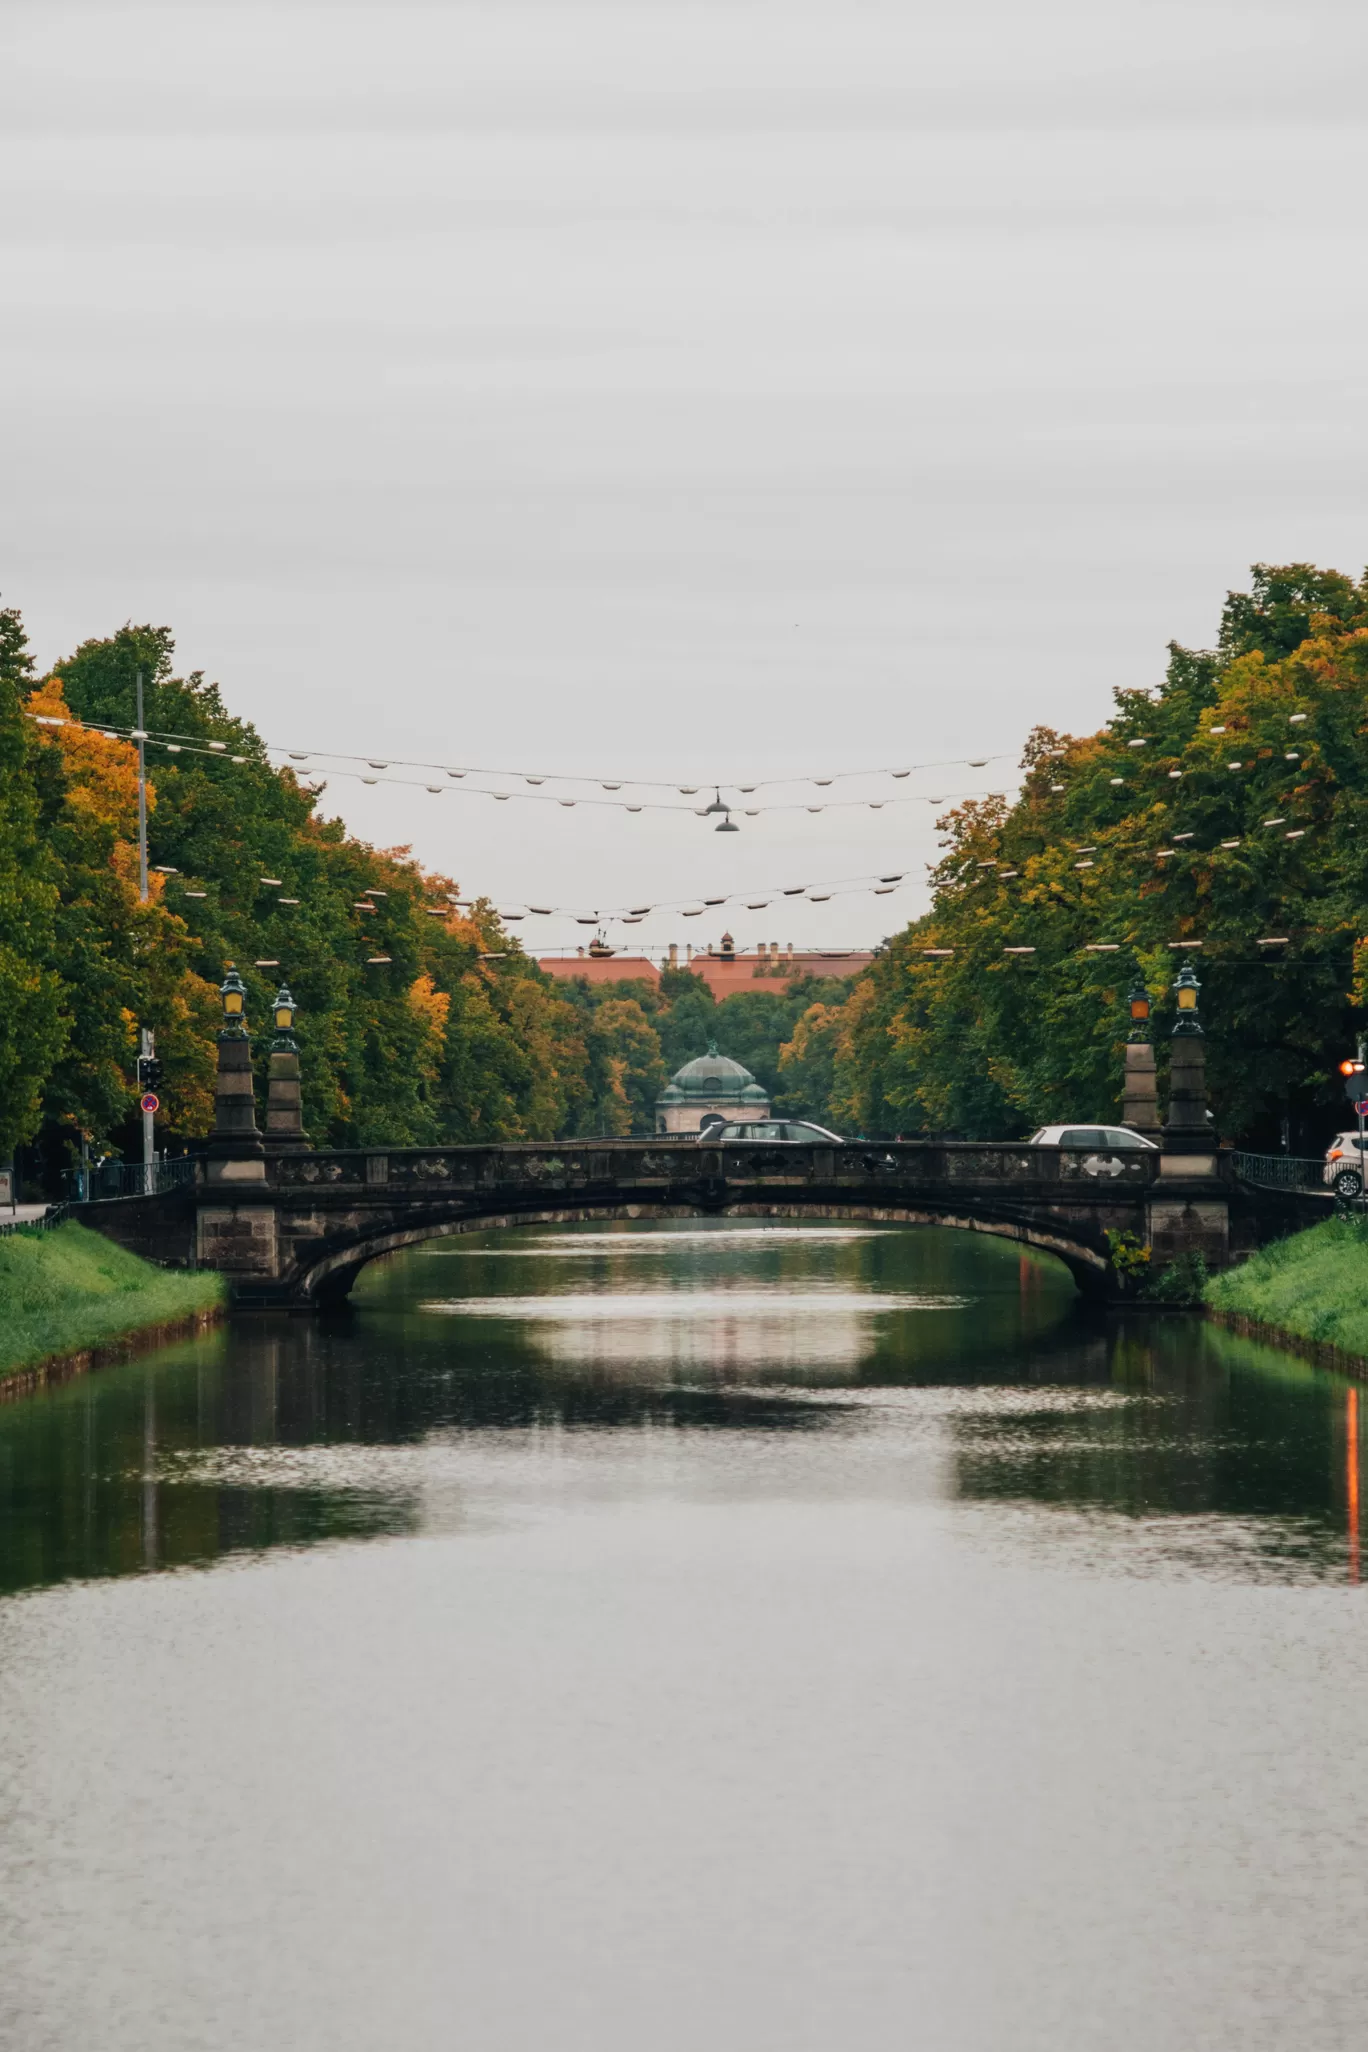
(710, 1083)
(713, 1075)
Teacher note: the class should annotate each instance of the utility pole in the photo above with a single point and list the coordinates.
(1362, 1169)
(140, 737)
(147, 1039)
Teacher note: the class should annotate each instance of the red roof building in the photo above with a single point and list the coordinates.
(724, 970)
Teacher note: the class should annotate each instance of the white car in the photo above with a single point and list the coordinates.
(1344, 1165)
(1097, 1139)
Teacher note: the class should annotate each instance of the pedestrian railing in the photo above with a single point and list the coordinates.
(128, 1179)
(1282, 1171)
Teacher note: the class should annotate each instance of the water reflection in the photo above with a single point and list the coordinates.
(868, 1364)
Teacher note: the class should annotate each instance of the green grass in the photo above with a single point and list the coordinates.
(64, 1291)
(1314, 1285)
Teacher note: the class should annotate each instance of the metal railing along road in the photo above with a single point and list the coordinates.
(1282, 1172)
(128, 1179)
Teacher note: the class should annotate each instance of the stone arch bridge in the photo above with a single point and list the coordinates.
(296, 1237)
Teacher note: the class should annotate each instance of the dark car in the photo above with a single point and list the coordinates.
(790, 1132)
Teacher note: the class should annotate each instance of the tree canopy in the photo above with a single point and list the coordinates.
(1210, 818)
(1221, 815)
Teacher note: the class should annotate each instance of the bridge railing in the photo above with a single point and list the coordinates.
(546, 1165)
(1281, 1171)
(127, 1179)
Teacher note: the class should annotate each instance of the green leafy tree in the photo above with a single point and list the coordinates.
(34, 1026)
(1228, 808)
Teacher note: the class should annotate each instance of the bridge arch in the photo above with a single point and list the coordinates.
(327, 1278)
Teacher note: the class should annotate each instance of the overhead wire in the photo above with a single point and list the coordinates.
(376, 760)
(379, 774)
(756, 899)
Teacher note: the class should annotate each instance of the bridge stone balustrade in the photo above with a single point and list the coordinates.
(297, 1239)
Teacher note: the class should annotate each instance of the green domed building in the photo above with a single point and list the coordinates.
(711, 1083)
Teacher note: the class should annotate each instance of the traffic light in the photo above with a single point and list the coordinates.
(149, 1072)
(1352, 1071)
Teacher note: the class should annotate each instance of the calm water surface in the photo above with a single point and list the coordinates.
(670, 1637)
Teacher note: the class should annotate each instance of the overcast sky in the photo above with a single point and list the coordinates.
(676, 391)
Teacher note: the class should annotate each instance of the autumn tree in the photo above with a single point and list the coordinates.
(34, 1027)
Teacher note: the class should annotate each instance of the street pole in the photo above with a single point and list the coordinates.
(1359, 1108)
(146, 1038)
(142, 794)
(147, 1046)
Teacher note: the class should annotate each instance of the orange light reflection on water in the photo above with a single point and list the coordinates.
(1351, 1479)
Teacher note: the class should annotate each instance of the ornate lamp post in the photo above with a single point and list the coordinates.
(236, 1154)
(233, 998)
(1187, 1129)
(1187, 988)
(284, 1106)
(1140, 1105)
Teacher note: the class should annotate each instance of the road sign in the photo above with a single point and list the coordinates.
(150, 1102)
(1362, 1107)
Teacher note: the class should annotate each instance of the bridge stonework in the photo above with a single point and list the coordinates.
(296, 1239)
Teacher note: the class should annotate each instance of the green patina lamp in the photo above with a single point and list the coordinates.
(1139, 1001)
(1186, 988)
(283, 1013)
(235, 1144)
(233, 996)
(284, 1101)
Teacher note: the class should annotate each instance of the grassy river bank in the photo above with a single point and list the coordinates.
(1310, 1290)
(70, 1297)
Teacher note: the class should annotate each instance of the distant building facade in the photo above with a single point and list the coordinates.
(724, 969)
(712, 1083)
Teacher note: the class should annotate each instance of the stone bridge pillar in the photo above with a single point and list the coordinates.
(1140, 1105)
(284, 1103)
(235, 1227)
(1189, 1208)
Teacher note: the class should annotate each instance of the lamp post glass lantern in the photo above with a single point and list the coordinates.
(1186, 988)
(284, 1011)
(233, 996)
(1139, 1001)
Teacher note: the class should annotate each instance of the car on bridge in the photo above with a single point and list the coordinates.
(1099, 1139)
(783, 1132)
(1344, 1165)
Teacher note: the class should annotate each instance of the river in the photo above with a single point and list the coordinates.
(679, 1636)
